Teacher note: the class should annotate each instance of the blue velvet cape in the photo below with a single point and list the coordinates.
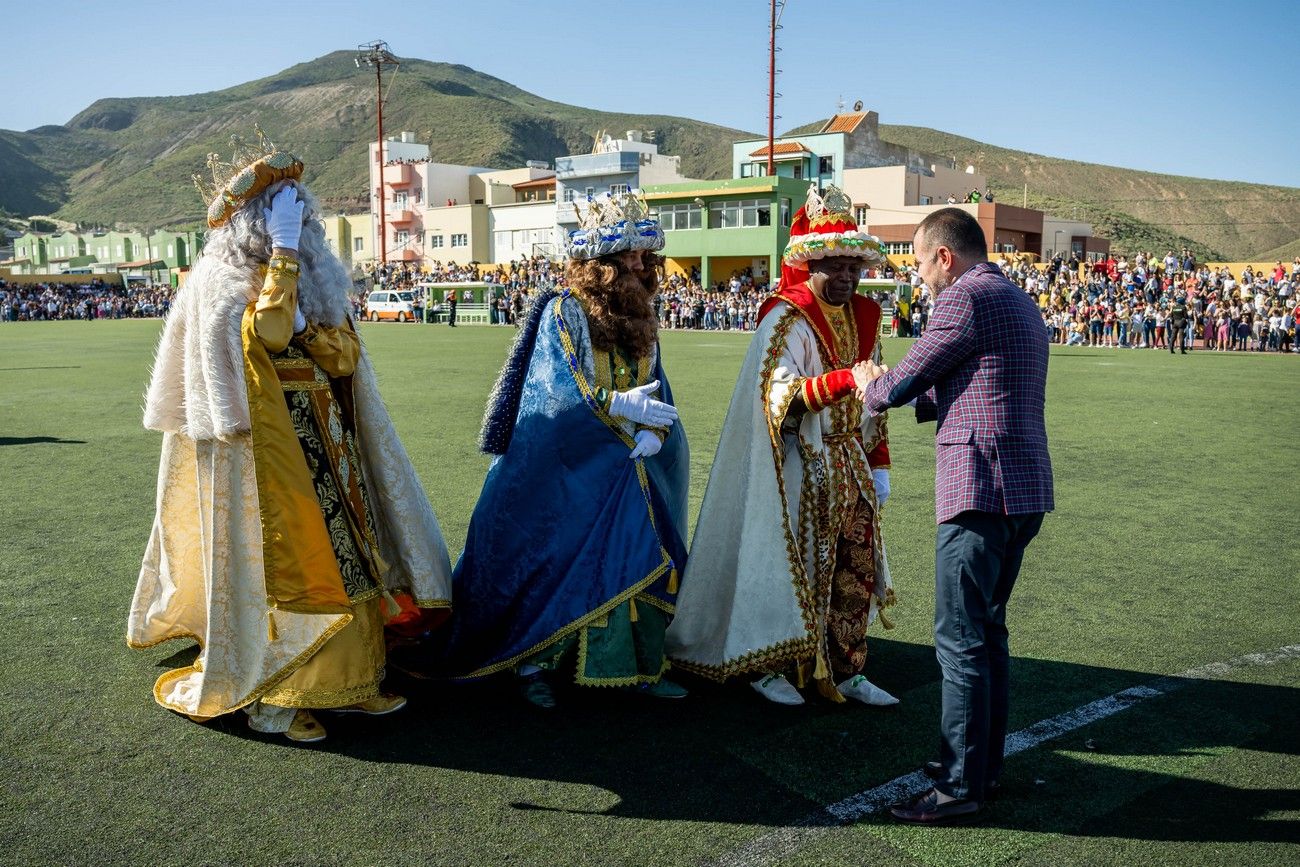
(567, 526)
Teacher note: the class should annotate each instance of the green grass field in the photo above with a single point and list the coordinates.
(1173, 546)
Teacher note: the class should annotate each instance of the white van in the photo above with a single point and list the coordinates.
(390, 304)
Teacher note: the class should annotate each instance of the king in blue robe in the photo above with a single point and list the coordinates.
(576, 542)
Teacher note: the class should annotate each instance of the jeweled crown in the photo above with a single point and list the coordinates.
(613, 224)
(251, 169)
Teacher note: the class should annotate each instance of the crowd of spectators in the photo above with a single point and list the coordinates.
(1108, 302)
(1139, 303)
(731, 305)
(31, 302)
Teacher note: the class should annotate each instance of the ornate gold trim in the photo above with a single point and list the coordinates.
(774, 658)
(565, 631)
(631, 680)
(324, 699)
(294, 664)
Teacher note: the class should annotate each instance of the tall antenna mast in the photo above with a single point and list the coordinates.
(771, 88)
(376, 54)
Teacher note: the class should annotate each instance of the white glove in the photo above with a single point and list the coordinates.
(299, 321)
(637, 406)
(647, 445)
(284, 219)
(881, 480)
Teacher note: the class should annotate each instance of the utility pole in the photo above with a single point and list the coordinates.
(771, 91)
(376, 54)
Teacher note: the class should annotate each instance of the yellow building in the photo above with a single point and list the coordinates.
(351, 237)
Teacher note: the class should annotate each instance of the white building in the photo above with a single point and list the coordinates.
(615, 165)
(452, 213)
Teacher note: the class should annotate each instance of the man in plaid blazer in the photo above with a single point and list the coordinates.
(980, 371)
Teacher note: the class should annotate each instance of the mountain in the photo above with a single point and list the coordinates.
(1136, 209)
(129, 161)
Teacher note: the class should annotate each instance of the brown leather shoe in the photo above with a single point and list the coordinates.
(934, 770)
(925, 809)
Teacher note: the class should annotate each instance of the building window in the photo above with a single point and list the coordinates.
(358, 244)
(926, 200)
(399, 199)
(435, 240)
(746, 170)
(785, 212)
(460, 240)
(402, 237)
(171, 250)
(826, 165)
(119, 249)
(898, 247)
(569, 194)
(798, 169)
(745, 213)
(618, 189)
(591, 193)
(675, 217)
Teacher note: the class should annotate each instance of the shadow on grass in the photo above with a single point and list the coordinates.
(27, 441)
(724, 755)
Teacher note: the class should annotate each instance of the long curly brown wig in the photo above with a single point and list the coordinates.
(619, 302)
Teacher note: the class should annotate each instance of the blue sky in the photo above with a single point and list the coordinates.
(1192, 87)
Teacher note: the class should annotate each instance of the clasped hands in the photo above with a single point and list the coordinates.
(864, 373)
(637, 406)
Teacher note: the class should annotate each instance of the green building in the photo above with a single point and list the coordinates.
(724, 227)
(31, 253)
(174, 249)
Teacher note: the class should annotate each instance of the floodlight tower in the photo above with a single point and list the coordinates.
(771, 84)
(376, 55)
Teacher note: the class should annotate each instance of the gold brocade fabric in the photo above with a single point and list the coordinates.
(319, 408)
(302, 573)
(346, 670)
(852, 519)
(852, 586)
(616, 370)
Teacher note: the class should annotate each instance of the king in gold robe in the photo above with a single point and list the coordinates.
(288, 513)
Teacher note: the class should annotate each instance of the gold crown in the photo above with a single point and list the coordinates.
(611, 209)
(251, 170)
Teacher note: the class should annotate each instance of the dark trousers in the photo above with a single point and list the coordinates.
(977, 559)
(1177, 334)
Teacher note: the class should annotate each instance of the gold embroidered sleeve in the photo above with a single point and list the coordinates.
(273, 312)
(661, 432)
(336, 350)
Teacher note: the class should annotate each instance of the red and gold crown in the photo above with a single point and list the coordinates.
(250, 171)
(824, 227)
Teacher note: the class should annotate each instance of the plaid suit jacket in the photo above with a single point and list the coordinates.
(980, 370)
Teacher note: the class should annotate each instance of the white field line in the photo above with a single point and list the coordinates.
(781, 842)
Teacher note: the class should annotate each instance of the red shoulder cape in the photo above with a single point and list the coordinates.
(866, 315)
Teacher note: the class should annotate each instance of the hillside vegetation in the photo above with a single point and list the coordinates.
(1146, 210)
(128, 162)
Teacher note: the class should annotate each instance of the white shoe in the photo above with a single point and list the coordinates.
(775, 688)
(858, 687)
